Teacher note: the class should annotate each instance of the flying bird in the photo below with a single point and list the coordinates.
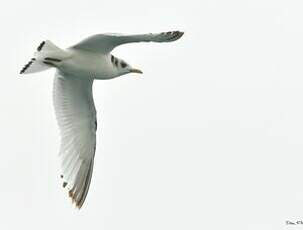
(76, 69)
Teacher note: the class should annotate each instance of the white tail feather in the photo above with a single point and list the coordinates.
(44, 58)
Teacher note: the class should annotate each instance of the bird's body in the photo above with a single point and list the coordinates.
(77, 68)
(88, 64)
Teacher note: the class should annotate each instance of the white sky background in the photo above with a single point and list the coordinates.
(209, 137)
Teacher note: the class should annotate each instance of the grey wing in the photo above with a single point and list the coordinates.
(104, 43)
(76, 116)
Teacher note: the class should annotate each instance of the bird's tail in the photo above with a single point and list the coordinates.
(47, 55)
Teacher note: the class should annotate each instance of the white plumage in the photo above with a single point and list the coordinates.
(77, 68)
(76, 116)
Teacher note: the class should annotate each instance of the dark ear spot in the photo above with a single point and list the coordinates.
(123, 64)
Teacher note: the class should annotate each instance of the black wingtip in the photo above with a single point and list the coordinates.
(27, 65)
(176, 35)
(39, 48)
(172, 35)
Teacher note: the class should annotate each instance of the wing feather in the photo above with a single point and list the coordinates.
(76, 116)
(104, 43)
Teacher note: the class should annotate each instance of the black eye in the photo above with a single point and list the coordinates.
(112, 58)
(123, 64)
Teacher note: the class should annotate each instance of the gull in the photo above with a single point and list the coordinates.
(76, 69)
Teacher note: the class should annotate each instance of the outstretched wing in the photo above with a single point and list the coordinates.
(76, 116)
(105, 43)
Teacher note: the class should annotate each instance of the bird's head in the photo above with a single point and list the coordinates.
(123, 67)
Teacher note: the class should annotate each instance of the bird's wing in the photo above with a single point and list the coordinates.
(76, 116)
(105, 43)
